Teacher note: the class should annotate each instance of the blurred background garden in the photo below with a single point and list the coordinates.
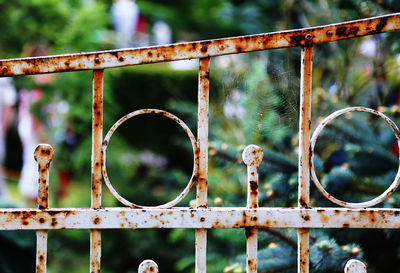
(254, 99)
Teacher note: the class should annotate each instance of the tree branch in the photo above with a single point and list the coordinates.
(281, 236)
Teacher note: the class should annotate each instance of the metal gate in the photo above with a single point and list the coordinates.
(251, 217)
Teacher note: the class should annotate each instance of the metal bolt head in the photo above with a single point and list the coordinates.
(308, 37)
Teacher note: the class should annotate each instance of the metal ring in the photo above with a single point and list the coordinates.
(195, 161)
(314, 137)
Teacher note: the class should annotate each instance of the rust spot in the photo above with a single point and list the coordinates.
(303, 203)
(297, 39)
(346, 225)
(306, 217)
(41, 220)
(41, 257)
(149, 54)
(382, 24)
(25, 223)
(46, 151)
(53, 222)
(121, 59)
(249, 232)
(324, 219)
(343, 31)
(96, 220)
(253, 186)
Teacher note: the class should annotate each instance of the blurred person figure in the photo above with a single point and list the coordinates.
(28, 128)
(125, 17)
(162, 33)
(8, 98)
(141, 34)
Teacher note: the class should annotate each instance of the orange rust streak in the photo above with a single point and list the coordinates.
(304, 155)
(97, 137)
(202, 153)
(200, 49)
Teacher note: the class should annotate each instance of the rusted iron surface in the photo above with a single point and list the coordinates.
(195, 155)
(314, 177)
(43, 155)
(202, 154)
(355, 266)
(97, 164)
(200, 49)
(252, 156)
(148, 266)
(183, 217)
(303, 251)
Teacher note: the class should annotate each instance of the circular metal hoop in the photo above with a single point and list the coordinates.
(314, 137)
(195, 161)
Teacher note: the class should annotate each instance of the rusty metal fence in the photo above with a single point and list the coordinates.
(133, 216)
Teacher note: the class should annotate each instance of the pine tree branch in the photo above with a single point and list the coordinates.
(227, 157)
(283, 268)
(281, 236)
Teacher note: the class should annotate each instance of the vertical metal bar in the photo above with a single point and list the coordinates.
(43, 156)
(252, 157)
(202, 146)
(304, 154)
(97, 161)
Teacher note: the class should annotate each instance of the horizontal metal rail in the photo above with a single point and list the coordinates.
(199, 49)
(181, 217)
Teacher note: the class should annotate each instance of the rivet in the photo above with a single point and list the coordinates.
(97, 60)
(308, 36)
(329, 33)
(4, 68)
(202, 219)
